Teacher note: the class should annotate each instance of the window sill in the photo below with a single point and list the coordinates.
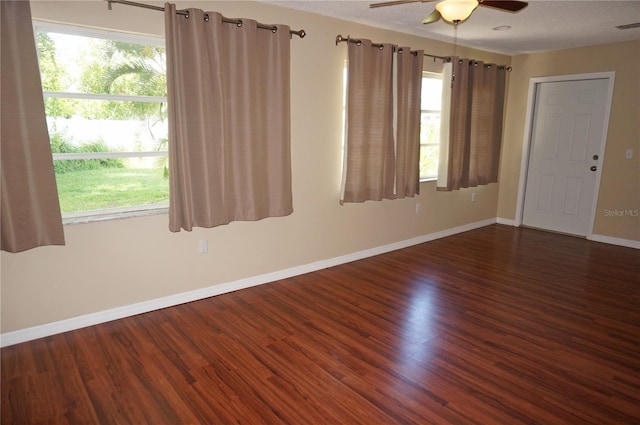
(429, 179)
(113, 214)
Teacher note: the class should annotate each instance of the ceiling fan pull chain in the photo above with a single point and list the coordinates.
(455, 50)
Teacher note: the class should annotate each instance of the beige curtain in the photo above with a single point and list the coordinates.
(475, 128)
(229, 120)
(445, 126)
(382, 143)
(369, 171)
(30, 209)
(409, 84)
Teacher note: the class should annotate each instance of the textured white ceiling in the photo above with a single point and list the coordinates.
(542, 26)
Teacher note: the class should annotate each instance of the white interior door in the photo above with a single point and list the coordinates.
(568, 132)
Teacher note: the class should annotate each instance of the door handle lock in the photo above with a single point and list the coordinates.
(595, 157)
(593, 168)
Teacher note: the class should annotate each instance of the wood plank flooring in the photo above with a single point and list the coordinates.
(494, 326)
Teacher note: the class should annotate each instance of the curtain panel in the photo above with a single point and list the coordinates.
(409, 87)
(30, 210)
(471, 156)
(445, 125)
(229, 120)
(369, 145)
(382, 134)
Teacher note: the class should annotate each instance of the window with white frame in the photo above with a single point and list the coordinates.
(431, 101)
(106, 107)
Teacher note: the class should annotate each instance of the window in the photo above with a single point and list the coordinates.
(105, 101)
(431, 100)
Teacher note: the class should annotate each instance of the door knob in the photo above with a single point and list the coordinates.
(593, 168)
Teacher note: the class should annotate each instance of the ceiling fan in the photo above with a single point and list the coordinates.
(456, 11)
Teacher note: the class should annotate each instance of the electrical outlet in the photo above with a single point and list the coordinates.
(473, 197)
(418, 207)
(628, 154)
(203, 246)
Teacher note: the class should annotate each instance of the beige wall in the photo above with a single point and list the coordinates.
(118, 263)
(620, 183)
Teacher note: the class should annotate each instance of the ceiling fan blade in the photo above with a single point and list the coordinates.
(510, 6)
(396, 2)
(434, 17)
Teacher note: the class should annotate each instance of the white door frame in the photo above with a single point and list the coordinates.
(528, 128)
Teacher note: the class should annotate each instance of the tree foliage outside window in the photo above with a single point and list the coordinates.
(431, 101)
(105, 101)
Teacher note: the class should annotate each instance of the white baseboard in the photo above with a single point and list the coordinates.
(506, 221)
(615, 241)
(597, 238)
(41, 331)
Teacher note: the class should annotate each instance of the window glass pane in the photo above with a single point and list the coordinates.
(431, 101)
(79, 64)
(95, 184)
(429, 144)
(113, 126)
(431, 95)
(97, 99)
(430, 127)
(429, 161)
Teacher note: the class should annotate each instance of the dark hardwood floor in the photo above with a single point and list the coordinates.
(494, 326)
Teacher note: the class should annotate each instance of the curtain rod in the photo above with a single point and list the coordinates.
(348, 39)
(273, 28)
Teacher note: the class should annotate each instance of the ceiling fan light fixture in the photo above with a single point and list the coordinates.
(456, 10)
